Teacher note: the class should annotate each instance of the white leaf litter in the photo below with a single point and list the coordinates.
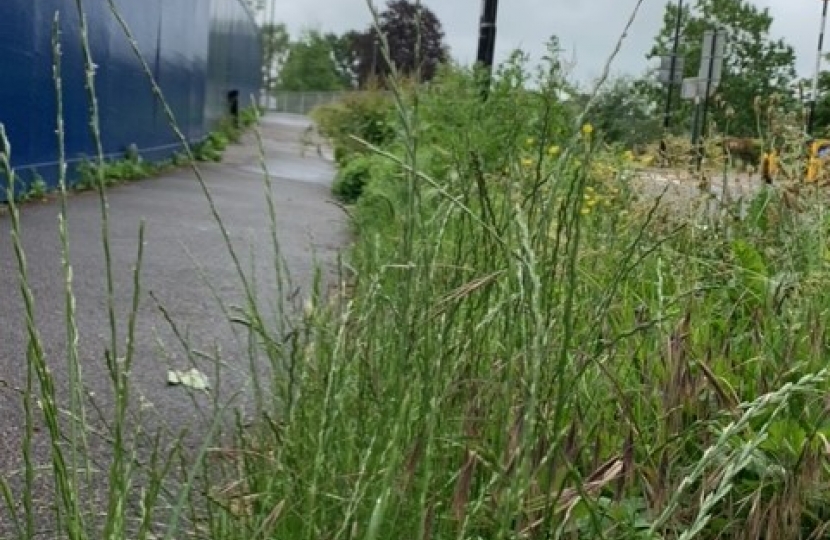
(192, 378)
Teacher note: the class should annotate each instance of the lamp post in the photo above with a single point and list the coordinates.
(811, 117)
(487, 40)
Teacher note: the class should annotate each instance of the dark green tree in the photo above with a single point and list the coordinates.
(756, 65)
(404, 24)
(310, 66)
(627, 115)
(821, 123)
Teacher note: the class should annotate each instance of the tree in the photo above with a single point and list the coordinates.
(309, 66)
(804, 87)
(625, 114)
(402, 23)
(345, 56)
(276, 43)
(755, 66)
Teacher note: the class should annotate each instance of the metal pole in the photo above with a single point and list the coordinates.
(673, 66)
(487, 40)
(709, 73)
(270, 78)
(811, 118)
(670, 86)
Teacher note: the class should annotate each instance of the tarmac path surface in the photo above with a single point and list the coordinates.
(186, 265)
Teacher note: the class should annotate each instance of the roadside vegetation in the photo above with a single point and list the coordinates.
(520, 344)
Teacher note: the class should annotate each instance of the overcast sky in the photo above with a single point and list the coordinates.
(588, 29)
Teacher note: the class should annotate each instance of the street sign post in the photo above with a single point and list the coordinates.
(701, 88)
(666, 70)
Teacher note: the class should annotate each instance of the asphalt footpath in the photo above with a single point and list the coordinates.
(187, 277)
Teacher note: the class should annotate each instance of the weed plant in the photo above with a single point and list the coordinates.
(528, 348)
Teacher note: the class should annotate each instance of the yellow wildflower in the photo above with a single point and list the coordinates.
(530, 141)
(527, 162)
(585, 211)
(587, 129)
(553, 150)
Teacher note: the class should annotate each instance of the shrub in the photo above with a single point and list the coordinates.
(352, 178)
(366, 115)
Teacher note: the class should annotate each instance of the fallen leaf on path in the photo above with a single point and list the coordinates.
(192, 378)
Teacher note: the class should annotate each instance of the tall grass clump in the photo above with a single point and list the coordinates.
(524, 346)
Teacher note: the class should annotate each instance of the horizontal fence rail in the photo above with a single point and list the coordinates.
(300, 102)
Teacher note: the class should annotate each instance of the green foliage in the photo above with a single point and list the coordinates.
(416, 44)
(360, 171)
(345, 55)
(309, 66)
(546, 351)
(757, 66)
(112, 172)
(249, 116)
(348, 186)
(751, 271)
(276, 45)
(626, 115)
(226, 132)
(38, 188)
(365, 115)
(821, 124)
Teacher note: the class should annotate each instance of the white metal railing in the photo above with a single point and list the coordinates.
(300, 102)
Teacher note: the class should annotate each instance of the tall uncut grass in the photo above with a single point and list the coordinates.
(521, 345)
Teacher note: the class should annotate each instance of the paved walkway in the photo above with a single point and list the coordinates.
(184, 259)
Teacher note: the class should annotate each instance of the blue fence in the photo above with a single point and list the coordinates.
(198, 52)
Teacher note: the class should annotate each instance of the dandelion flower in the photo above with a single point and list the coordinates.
(527, 162)
(587, 129)
(553, 150)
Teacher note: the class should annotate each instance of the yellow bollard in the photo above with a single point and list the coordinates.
(818, 160)
(769, 166)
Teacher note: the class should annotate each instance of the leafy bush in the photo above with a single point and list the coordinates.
(348, 186)
(365, 115)
(365, 174)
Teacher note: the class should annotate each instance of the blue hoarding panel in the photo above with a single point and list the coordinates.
(197, 50)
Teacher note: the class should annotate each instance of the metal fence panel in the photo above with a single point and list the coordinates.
(301, 102)
(197, 50)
